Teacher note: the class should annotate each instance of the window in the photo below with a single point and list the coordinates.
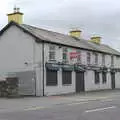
(96, 58)
(79, 56)
(65, 55)
(51, 52)
(97, 78)
(66, 77)
(88, 58)
(103, 59)
(112, 61)
(51, 77)
(104, 77)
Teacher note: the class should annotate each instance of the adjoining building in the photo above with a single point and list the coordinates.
(50, 63)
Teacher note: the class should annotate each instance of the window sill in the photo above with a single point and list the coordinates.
(52, 60)
(104, 82)
(51, 85)
(97, 83)
(66, 84)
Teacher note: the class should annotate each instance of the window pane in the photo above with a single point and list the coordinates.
(66, 77)
(112, 60)
(104, 78)
(103, 59)
(65, 55)
(51, 78)
(78, 56)
(96, 58)
(88, 58)
(51, 52)
(97, 78)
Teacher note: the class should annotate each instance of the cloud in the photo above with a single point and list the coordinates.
(93, 17)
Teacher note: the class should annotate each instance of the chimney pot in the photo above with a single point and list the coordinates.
(75, 33)
(16, 16)
(96, 39)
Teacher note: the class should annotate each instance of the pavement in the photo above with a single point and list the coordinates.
(102, 105)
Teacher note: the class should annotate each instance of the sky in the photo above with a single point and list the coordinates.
(92, 17)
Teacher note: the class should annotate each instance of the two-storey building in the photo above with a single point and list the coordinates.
(50, 63)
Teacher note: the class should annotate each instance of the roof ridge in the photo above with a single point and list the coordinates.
(45, 29)
(61, 39)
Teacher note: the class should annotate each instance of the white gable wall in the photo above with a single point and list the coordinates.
(18, 48)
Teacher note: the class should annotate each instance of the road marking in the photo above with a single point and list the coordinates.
(77, 103)
(33, 108)
(107, 100)
(100, 109)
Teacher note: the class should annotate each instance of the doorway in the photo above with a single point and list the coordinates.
(80, 82)
(113, 80)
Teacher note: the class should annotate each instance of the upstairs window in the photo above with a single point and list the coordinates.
(96, 58)
(103, 60)
(65, 55)
(79, 56)
(88, 58)
(51, 52)
(112, 61)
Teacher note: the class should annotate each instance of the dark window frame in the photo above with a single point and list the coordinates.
(79, 57)
(52, 53)
(112, 60)
(65, 55)
(97, 77)
(103, 59)
(104, 77)
(96, 58)
(51, 82)
(65, 80)
(88, 58)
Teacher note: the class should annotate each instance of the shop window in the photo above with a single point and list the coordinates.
(66, 77)
(104, 77)
(97, 78)
(51, 77)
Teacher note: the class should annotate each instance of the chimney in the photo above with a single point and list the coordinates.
(75, 33)
(96, 39)
(16, 16)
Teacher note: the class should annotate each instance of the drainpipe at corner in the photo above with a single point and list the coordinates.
(43, 62)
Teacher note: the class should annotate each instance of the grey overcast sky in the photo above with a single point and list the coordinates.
(93, 17)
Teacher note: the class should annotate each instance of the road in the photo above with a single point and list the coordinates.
(99, 106)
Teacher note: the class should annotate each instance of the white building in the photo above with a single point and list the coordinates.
(50, 63)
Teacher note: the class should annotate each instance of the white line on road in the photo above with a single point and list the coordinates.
(77, 103)
(107, 100)
(100, 109)
(33, 108)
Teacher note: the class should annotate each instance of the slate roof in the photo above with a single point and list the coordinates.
(62, 39)
(68, 40)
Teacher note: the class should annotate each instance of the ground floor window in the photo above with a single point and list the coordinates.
(66, 77)
(97, 78)
(51, 77)
(104, 77)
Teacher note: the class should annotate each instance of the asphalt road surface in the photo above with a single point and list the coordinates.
(97, 109)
